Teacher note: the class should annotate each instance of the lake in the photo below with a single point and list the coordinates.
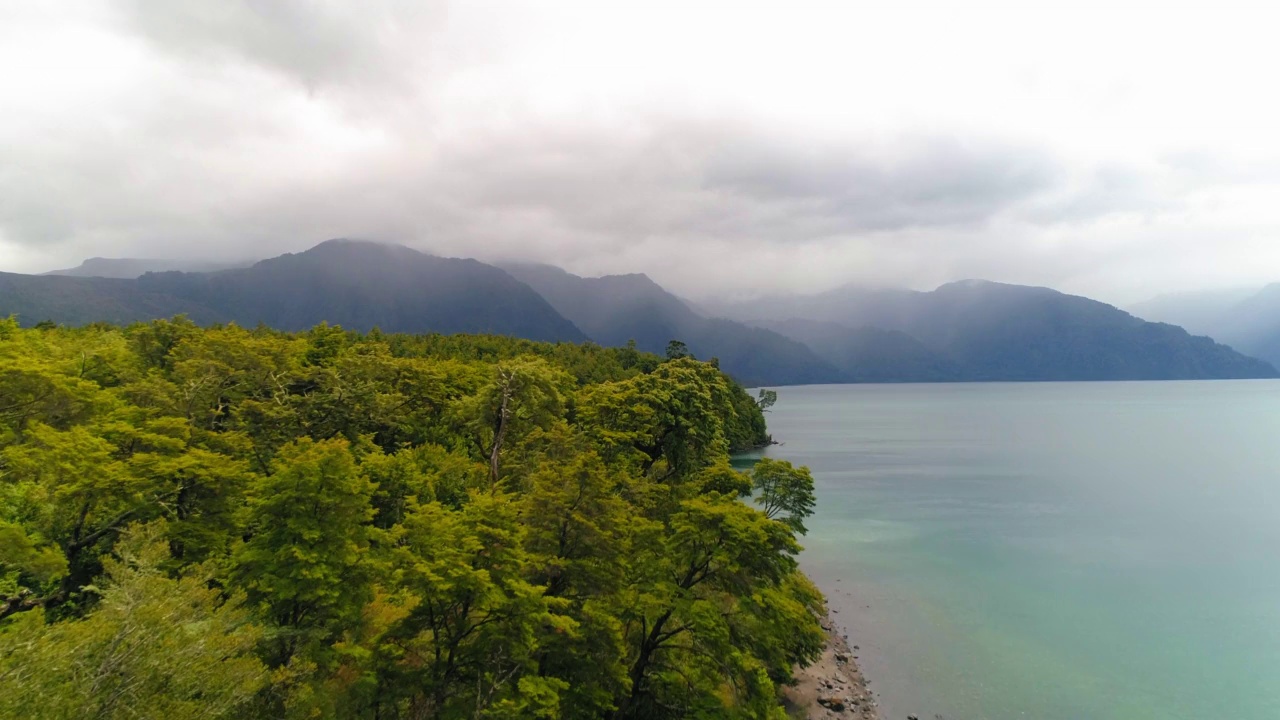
(1054, 551)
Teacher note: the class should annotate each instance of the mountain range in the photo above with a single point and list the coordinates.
(966, 331)
(128, 268)
(1246, 319)
(616, 309)
(975, 330)
(355, 284)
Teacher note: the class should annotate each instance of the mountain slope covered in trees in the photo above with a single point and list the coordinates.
(992, 331)
(356, 284)
(1247, 320)
(1200, 313)
(616, 309)
(870, 354)
(965, 331)
(232, 523)
(129, 268)
(364, 285)
(83, 300)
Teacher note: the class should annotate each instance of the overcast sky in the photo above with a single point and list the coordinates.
(1112, 149)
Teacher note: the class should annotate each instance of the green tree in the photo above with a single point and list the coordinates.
(306, 563)
(694, 598)
(467, 646)
(419, 526)
(29, 567)
(73, 489)
(766, 399)
(324, 342)
(155, 648)
(783, 491)
(667, 421)
(154, 341)
(580, 532)
(521, 395)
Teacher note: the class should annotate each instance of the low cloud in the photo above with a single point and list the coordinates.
(904, 183)
(240, 129)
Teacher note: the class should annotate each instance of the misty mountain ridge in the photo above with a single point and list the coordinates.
(970, 330)
(1200, 312)
(362, 285)
(1248, 319)
(870, 354)
(356, 284)
(83, 300)
(616, 309)
(130, 268)
(977, 330)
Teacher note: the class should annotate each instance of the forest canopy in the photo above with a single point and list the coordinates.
(232, 523)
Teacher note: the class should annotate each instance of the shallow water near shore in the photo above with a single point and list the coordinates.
(1054, 551)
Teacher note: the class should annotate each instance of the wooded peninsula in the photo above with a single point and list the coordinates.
(245, 523)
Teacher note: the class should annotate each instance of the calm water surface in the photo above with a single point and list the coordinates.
(1074, 551)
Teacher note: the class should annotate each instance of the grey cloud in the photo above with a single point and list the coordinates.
(1162, 186)
(214, 153)
(917, 182)
(352, 45)
(719, 180)
(1106, 191)
(582, 195)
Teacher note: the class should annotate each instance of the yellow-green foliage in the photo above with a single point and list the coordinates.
(153, 647)
(221, 522)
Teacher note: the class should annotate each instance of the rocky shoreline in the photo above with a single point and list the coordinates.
(833, 687)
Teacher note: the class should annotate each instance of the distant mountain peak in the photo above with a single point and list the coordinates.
(531, 265)
(989, 331)
(521, 266)
(615, 309)
(355, 242)
(345, 245)
(969, 283)
(358, 284)
(129, 268)
(971, 329)
(634, 280)
(980, 284)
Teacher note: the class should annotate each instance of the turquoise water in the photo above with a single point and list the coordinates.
(1074, 551)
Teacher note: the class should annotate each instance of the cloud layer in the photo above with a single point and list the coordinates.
(721, 147)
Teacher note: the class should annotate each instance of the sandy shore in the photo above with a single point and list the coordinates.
(833, 687)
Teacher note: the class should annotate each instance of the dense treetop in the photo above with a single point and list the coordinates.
(233, 523)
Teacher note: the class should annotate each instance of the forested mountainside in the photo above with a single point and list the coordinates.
(870, 354)
(616, 309)
(129, 268)
(359, 285)
(977, 330)
(83, 300)
(1199, 312)
(1247, 320)
(234, 523)
(964, 331)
